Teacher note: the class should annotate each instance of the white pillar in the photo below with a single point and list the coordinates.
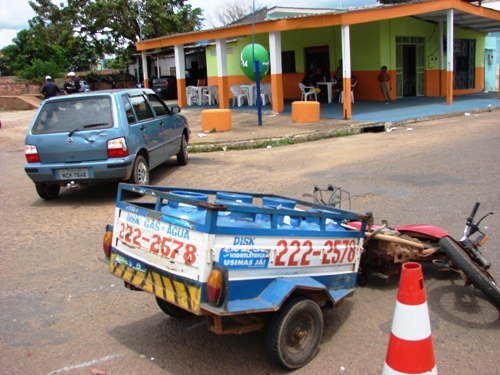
(180, 61)
(220, 48)
(449, 40)
(275, 52)
(346, 71)
(346, 51)
(449, 57)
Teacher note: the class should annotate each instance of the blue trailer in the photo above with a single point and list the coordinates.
(247, 261)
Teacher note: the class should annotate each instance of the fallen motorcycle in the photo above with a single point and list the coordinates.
(385, 247)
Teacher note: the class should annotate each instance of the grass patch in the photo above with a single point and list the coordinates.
(265, 143)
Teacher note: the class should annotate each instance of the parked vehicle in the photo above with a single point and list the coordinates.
(115, 135)
(246, 261)
(165, 86)
(386, 248)
(86, 86)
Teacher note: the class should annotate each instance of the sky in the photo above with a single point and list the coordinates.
(14, 14)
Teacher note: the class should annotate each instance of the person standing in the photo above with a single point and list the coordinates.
(49, 88)
(384, 80)
(72, 86)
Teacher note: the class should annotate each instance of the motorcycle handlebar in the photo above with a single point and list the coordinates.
(473, 213)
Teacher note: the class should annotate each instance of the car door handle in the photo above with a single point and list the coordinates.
(143, 127)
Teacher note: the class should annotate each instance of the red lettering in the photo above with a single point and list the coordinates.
(304, 261)
(279, 262)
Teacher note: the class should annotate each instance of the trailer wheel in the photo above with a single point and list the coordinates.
(294, 333)
(171, 309)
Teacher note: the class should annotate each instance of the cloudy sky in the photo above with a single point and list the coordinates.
(14, 14)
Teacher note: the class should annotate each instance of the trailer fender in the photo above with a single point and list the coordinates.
(278, 291)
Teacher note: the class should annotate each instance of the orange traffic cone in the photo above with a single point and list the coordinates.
(410, 348)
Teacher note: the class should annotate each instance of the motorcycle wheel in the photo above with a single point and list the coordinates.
(476, 274)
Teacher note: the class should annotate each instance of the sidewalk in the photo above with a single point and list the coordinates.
(367, 116)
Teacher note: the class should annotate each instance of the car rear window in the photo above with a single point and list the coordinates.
(74, 113)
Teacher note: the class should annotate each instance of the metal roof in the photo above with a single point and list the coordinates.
(464, 20)
(467, 15)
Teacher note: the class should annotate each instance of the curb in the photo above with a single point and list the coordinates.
(353, 129)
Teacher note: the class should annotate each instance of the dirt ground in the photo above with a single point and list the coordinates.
(61, 312)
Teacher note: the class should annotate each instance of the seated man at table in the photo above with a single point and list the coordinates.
(319, 76)
(309, 81)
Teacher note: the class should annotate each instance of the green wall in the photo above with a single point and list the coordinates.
(372, 44)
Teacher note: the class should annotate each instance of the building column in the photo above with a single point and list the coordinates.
(449, 57)
(278, 101)
(221, 58)
(180, 74)
(346, 73)
(145, 69)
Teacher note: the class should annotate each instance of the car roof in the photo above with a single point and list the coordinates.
(111, 92)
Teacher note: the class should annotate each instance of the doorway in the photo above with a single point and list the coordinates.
(409, 70)
(317, 57)
(409, 66)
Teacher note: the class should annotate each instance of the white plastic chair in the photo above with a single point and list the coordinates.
(265, 91)
(192, 95)
(239, 95)
(341, 96)
(211, 95)
(307, 91)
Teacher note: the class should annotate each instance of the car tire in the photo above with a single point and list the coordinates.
(182, 155)
(140, 173)
(47, 192)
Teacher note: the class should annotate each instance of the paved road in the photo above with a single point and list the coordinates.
(62, 313)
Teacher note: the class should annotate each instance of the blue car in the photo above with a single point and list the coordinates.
(115, 135)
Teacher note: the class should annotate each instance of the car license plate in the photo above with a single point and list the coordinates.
(74, 173)
(158, 90)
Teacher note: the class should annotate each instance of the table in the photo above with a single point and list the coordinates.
(329, 87)
(252, 92)
(200, 93)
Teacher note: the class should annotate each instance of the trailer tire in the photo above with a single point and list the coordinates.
(171, 309)
(294, 333)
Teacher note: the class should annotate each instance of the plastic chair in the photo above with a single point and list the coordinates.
(307, 91)
(211, 94)
(192, 95)
(265, 91)
(341, 96)
(239, 95)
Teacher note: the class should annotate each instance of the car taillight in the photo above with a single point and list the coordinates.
(166, 83)
(31, 153)
(216, 284)
(117, 148)
(106, 242)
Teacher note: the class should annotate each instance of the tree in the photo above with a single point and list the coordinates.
(113, 26)
(230, 11)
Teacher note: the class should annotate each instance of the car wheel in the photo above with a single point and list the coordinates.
(140, 173)
(182, 156)
(47, 192)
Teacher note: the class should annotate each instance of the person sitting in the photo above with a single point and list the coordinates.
(309, 81)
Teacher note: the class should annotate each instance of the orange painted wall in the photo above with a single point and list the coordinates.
(368, 87)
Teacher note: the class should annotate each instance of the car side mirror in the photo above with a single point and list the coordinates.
(175, 109)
